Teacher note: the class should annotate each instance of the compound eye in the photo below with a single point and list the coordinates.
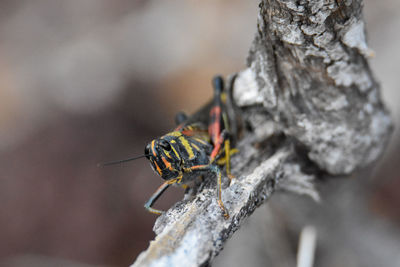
(147, 151)
(164, 144)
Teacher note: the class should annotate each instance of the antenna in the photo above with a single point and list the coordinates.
(120, 161)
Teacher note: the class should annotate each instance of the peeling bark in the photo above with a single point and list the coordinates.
(308, 64)
(312, 107)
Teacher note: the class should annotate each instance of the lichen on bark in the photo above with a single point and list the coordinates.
(309, 65)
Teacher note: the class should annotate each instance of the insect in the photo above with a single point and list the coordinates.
(197, 146)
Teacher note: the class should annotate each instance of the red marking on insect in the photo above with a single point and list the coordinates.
(214, 128)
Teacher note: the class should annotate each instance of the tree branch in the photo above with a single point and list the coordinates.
(312, 107)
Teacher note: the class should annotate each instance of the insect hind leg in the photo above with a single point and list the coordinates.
(227, 149)
(218, 120)
(223, 140)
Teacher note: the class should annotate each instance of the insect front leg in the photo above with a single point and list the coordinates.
(214, 168)
(154, 198)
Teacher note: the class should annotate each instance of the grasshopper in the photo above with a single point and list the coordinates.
(199, 144)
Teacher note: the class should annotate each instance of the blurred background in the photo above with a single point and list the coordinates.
(83, 82)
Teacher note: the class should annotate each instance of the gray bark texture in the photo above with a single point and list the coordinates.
(311, 107)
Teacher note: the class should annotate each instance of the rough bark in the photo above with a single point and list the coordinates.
(311, 107)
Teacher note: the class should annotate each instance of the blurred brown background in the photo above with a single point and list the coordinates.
(83, 82)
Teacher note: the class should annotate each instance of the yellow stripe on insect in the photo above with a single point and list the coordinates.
(167, 153)
(232, 151)
(223, 97)
(176, 134)
(176, 180)
(196, 147)
(200, 141)
(173, 149)
(187, 146)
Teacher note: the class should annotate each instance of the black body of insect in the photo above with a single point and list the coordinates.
(194, 147)
(199, 145)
